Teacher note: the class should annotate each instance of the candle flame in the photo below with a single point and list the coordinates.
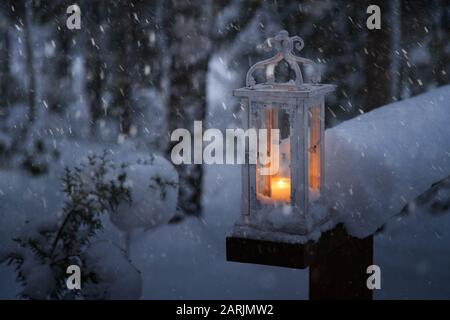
(281, 189)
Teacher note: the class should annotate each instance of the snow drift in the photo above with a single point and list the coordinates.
(378, 162)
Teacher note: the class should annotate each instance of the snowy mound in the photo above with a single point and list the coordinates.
(154, 193)
(378, 162)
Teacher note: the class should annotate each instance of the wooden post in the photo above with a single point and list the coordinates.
(341, 274)
(337, 261)
(282, 254)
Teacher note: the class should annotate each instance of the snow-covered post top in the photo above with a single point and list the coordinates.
(284, 46)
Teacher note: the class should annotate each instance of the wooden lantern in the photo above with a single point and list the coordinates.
(278, 206)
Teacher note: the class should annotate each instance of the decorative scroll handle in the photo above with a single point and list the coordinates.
(284, 46)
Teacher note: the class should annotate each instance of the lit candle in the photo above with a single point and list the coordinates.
(281, 189)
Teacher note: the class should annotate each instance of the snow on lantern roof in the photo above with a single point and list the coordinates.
(284, 46)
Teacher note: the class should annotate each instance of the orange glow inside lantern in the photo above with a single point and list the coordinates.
(277, 187)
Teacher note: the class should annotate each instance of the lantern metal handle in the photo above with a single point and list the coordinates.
(284, 45)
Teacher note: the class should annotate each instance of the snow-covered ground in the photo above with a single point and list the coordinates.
(414, 255)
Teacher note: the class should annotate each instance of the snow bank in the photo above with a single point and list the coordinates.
(379, 161)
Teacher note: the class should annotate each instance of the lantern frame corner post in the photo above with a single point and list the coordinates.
(253, 205)
(245, 171)
(322, 146)
(300, 165)
(315, 125)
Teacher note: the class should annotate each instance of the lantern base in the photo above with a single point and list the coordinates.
(249, 245)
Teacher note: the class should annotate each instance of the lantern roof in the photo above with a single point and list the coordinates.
(306, 91)
(284, 46)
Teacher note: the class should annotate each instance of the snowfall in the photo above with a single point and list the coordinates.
(377, 164)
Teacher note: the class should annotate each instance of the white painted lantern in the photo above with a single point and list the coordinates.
(280, 203)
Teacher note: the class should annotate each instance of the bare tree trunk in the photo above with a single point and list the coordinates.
(4, 65)
(395, 18)
(189, 34)
(31, 94)
(121, 46)
(93, 63)
(377, 64)
(59, 66)
(146, 31)
(417, 52)
(439, 43)
(125, 85)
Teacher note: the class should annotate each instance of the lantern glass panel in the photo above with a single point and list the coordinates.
(274, 187)
(314, 148)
